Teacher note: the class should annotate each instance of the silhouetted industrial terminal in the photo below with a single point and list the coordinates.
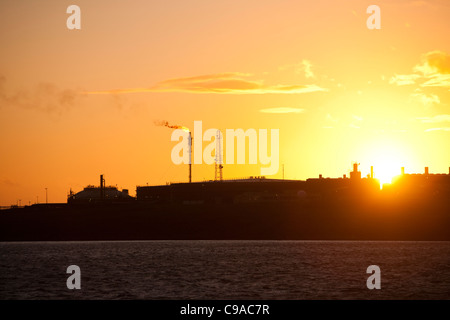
(260, 189)
(256, 189)
(412, 207)
(92, 194)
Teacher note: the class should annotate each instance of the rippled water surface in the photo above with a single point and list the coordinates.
(225, 270)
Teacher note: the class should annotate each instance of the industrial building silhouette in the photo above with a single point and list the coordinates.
(414, 207)
(260, 189)
(102, 194)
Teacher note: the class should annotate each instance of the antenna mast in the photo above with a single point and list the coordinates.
(218, 166)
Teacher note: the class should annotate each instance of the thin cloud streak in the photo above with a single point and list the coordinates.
(282, 110)
(404, 79)
(435, 119)
(438, 80)
(223, 83)
(438, 129)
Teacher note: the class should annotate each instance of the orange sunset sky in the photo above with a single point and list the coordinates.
(75, 104)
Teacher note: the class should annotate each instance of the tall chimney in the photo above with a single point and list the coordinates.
(102, 187)
(371, 172)
(190, 157)
(426, 170)
(403, 171)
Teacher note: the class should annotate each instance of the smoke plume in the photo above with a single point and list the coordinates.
(163, 123)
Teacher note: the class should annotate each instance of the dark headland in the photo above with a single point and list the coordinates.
(415, 207)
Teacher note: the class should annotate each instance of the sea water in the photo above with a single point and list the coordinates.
(217, 270)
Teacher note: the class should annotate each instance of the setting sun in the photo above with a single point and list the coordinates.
(387, 156)
(387, 167)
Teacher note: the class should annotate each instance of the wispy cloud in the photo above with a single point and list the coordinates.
(427, 100)
(306, 67)
(330, 122)
(222, 83)
(434, 62)
(404, 79)
(436, 119)
(438, 80)
(8, 183)
(432, 71)
(355, 123)
(438, 129)
(330, 118)
(282, 110)
(45, 97)
(442, 119)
